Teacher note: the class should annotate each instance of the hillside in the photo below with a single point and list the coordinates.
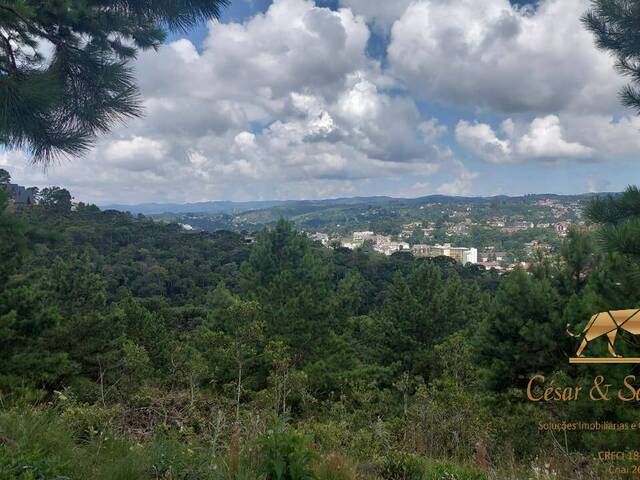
(132, 344)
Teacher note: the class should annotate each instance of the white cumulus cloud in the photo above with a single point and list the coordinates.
(542, 139)
(500, 57)
(285, 101)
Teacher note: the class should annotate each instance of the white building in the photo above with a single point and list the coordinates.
(392, 247)
(361, 237)
(470, 255)
(462, 255)
(320, 237)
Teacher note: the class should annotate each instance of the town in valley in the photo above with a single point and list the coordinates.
(499, 233)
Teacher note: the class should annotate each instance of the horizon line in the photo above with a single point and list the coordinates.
(389, 197)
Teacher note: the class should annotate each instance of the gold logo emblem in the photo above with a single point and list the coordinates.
(607, 324)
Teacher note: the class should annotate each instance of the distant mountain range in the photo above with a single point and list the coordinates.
(239, 207)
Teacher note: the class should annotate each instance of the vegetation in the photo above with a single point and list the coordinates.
(131, 349)
(614, 24)
(458, 221)
(65, 71)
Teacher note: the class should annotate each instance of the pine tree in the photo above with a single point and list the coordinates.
(522, 333)
(619, 236)
(291, 279)
(65, 73)
(620, 220)
(615, 26)
(12, 238)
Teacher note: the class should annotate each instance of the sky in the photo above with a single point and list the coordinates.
(303, 99)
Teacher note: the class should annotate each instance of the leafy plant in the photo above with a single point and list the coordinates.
(285, 455)
(402, 466)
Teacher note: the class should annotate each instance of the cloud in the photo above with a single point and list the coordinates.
(462, 184)
(290, 97)
(290, 104)
(136, 153)
(609, 138)
(503, 58)
(286, 104)
(381, 14)
(592, 138)
(480, 139)
(543, 139)
(536, 68)
(596, 184)
(292, 46)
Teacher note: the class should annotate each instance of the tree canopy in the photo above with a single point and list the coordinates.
(120, 327)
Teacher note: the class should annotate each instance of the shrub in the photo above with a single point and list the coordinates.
(285, 455)
(335, 467)
(34, 446)
(401, 466)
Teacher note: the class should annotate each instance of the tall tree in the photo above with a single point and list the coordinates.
(522, 333)
(620, 219)
(291, 278)
(65, 73)
(615, 26)
(619, 234)
(56, 198)
(12, 239)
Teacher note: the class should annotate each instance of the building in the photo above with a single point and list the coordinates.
(20, 194)
(323, 238)
(495, 222)
(517, 227)
(361, 237)
(392, 247)
(491, 265)
(458, 229)
(381, 239)
(464, 255)
(412, 226)
(461, 255)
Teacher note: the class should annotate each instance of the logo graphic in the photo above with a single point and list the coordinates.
(609, 324)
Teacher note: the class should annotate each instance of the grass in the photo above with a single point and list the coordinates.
(37, 444)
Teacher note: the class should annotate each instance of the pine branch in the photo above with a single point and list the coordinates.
(58, 106)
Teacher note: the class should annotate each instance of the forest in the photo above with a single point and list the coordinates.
(131, 349)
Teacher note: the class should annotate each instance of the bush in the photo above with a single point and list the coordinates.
(37, 445)
(402, 466)
(33, 446)
(335, 467)
(85, 421)
(285, 455)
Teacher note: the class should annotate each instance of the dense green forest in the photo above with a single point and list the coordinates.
(133, 349)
